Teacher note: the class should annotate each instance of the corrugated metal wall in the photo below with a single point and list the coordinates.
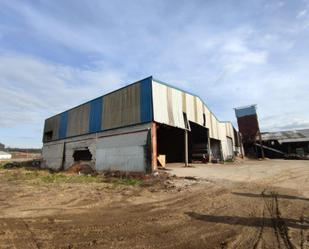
(78, 120)
(169, 104)
(127, 152)
(127, 106)
(52, 125)
(121, 108)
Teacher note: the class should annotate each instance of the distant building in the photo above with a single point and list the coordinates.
(2, 147)
(286, 144)
(5, 155)
(249, 129)
(127, 129)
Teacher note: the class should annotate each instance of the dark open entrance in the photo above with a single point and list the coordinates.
(171, 143)
(82, 155)
(198, 143)
(215, 146)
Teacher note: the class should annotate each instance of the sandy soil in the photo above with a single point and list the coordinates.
(249, 205)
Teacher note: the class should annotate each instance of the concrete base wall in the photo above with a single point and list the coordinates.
(53, 156)
(128, 152)
(124, 149)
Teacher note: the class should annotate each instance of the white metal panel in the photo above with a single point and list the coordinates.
(177, 108)
(229, 147)
(127, 152)
(207, 115)
(159, 93)
(200, 111)
(190, 107)
(214, 127)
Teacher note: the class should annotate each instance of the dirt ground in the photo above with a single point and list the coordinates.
(255, 204)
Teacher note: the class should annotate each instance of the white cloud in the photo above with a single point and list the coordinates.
(34, 89)
(302, 13)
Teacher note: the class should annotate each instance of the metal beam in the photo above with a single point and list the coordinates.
(186, 149)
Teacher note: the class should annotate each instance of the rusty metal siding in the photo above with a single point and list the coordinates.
(52, 124)
(122, 108)
(78, 120)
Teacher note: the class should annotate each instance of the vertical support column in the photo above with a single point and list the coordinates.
(154, 155)
(186, 149)
(209, 149)
(261, 143)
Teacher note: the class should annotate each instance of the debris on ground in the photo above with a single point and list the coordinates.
(82, 168)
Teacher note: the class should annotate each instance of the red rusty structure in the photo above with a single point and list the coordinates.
(248, 126)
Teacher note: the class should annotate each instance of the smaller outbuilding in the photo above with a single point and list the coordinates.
(293, 144)
(5, 155)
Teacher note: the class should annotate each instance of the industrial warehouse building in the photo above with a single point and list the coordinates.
(127, 129)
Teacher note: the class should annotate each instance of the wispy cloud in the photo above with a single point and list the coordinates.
(56, 55)
(33, 89)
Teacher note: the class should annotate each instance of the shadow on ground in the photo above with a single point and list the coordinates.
(246, 221)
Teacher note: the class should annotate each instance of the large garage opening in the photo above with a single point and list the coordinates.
(198, 143)
(170, 142)
(215, 146)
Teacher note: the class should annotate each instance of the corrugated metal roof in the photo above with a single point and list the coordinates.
(287, 136)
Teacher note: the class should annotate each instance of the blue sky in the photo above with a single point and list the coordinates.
(57, 54)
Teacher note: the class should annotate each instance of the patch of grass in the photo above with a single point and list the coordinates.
(61, 178)
(17, 175)
(37, 176)
(127, 181)
(2, 163)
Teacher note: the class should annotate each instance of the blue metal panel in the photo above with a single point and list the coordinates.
(95, 116)
(245, 111)
(146, 100)
(63, 125)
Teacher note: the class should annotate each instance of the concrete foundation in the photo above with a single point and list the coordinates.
(124, 149)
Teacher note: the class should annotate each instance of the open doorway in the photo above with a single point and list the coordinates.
(198, 143)
(170, 142)
(215, 146)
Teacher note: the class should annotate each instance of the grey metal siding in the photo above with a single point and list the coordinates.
(78, 120)
(122, 108)
(127, 106)
(52, 124)
(127, 152)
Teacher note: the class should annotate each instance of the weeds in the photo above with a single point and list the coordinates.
(37, 176)
(127, 182)
(61, 178)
